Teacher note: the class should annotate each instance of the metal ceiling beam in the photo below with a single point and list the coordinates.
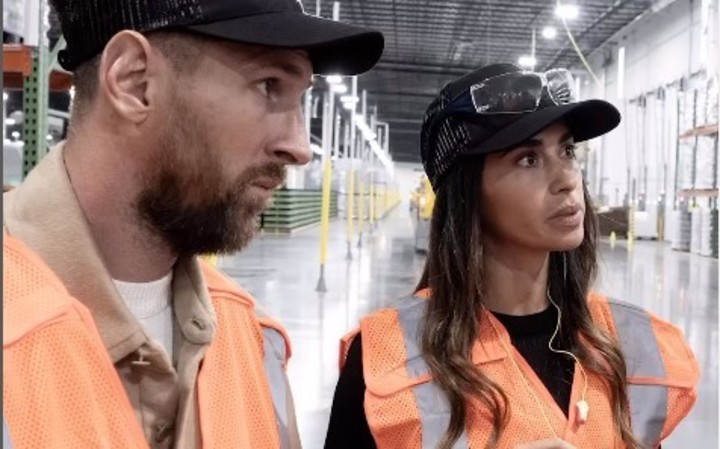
(442, 8)
(407, 131)
(405, 121)
(418, 29)
(406, 67)
(513, 16)
(478, 38)
(406, 94)
(612, 8)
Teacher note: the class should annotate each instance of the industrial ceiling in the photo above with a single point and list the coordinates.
(430, 42)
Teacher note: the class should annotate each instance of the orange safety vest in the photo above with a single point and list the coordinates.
(406, 409)
(61, 390)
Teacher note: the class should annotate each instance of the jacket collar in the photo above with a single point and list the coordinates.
(44, 212)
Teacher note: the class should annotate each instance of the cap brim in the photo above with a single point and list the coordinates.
(585, 120)
(334, 47)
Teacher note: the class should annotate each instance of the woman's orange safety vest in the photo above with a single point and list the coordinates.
(406, 409)
(61, 390)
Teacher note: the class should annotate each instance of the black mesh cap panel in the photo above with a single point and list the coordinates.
(443, 138)
(338, 47)
(89, 24)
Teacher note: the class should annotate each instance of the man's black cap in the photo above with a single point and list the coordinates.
(334, 47)
(447, 137)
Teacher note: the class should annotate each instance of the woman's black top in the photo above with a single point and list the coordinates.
(529, 334)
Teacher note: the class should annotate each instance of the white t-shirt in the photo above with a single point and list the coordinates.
(151, 304)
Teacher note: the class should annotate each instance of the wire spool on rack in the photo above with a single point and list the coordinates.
(696, 232)
(706, 233)
(714, 233)
(683, 224)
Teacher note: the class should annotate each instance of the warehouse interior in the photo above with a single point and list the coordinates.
(347, 234)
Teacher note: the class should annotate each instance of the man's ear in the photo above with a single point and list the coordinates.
(127, 77)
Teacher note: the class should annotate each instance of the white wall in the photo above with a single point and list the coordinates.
(660, 47)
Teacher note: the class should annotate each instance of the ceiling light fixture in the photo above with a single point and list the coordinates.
(567, 11)
(339, 88)
(527, 61)
(549, 33)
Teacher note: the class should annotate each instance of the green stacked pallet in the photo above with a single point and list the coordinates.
(294, 209)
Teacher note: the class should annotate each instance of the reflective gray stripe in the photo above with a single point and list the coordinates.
(648, 408)
(7, 443)
(648, 403)
(274, 345)
(432, 404)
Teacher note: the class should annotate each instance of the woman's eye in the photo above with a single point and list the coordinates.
(529, 160)
(570, 150)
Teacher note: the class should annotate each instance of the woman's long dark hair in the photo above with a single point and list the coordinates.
(454, 274)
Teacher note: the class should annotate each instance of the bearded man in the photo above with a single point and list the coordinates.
(186, 114)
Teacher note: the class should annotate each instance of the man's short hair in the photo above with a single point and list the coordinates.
(177, 47)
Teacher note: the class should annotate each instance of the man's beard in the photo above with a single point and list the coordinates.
(187, 202)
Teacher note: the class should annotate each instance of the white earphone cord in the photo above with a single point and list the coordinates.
(582, 405)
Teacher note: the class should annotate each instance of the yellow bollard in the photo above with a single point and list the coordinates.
(381, 207)
(613, 240)
(325, 219)
(361, 210)
(372, 205)
(325, 222)
(631, 229)
(350, 211)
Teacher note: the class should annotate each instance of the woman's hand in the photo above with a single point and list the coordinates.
(547, 444)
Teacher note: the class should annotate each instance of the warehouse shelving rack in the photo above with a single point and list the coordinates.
(693, 196)
(35, 71)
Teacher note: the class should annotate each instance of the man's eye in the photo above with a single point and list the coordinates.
(268, 86)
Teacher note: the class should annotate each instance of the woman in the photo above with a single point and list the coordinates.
(503, 345)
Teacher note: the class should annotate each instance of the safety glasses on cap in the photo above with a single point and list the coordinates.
(517, 93)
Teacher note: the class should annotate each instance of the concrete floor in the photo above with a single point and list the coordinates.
(282, 273)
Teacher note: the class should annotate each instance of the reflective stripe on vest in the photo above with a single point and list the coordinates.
(7, 443)
(274, 361)
(433, 406)
(648, 403)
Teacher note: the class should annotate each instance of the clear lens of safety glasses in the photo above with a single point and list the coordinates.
(561, 86)
(510, 93)
(519, 92)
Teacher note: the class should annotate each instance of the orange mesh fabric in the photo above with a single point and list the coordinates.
(236, 408)
(394, 416)
(220, 284)
(395, 420)
(60, 388)
(526, 420)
